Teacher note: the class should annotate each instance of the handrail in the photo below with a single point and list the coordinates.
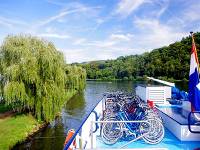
(189, 122)
(74, 136)
(120, 121)
(162, 81)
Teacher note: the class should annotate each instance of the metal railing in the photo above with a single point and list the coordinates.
(135, 121)
(78, 130)
(196, 115)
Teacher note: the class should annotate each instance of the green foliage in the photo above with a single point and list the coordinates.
(4, 108)
(170, 62)
(35, 76)
(75, 77)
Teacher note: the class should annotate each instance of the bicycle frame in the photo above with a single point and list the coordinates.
(131, 126)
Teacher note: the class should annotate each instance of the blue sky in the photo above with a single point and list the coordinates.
(86, 30)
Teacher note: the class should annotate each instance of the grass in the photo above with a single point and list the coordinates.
(15, 129)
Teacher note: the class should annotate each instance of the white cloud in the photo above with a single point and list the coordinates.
(55, 2)
(100, 20)
(5, 24)
(121, 37)
(111, 41)
(10, 22)
(79, 41)
(163, 4)
(91, 54)
(154, 34)
(101, 44)
(113, 46)
(60, 15)
(126, 7)
(191, 13)
(77, 55)
(50, 29)
(54, 35)
(68, 9)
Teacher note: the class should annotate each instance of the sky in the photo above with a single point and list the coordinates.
(87, 30)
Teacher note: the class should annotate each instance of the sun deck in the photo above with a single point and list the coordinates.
(176, 113)
(176, 121)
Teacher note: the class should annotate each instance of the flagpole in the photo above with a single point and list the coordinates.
(193, 44)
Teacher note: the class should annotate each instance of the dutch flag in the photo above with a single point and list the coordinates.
(194, 85)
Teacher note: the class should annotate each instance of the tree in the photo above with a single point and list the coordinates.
(34, 76)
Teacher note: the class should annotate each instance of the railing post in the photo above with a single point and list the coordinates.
(91, 134)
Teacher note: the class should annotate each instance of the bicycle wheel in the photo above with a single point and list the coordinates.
(153, 133)
(151, 115)
(111, 132)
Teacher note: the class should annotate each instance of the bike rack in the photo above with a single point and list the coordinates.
(135, 121)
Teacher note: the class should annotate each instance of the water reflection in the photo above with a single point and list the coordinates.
(73, 112)
(75, 106)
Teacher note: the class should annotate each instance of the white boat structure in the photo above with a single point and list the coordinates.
(181, 127)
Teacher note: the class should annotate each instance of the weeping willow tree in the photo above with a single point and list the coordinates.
(76, 77)
(34, 76)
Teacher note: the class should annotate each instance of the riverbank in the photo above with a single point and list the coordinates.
(16, 128)
(110, 79)
(139, 79)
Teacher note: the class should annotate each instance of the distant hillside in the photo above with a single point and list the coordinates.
(170, 62)
(96, 61)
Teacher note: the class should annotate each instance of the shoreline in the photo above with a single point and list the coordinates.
(17, 128)
(38, 128)
(174, 80)
(31, 134)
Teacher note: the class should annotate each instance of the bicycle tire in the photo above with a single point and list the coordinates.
(111, 132)
(155, 133)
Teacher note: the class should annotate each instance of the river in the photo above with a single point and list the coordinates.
(53, 136)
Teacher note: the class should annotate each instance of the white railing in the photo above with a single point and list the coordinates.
(162, 81)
